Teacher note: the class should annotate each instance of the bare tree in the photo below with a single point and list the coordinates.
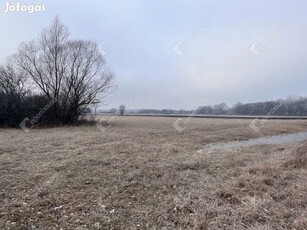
(12, 92)
(72, 73)
(121, 110)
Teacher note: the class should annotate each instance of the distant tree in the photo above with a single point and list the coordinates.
(238, 109)
(168, 111)
(121, 110)
(113, 110)
(220, 109)
(207, 110)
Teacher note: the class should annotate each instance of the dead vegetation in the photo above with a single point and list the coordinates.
(298, 157)
(143, 174)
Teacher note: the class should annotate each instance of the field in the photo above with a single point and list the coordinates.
(142, 173)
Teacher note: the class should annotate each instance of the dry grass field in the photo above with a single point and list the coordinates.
(143, 174)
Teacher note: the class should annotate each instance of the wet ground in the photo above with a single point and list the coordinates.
(269, 140)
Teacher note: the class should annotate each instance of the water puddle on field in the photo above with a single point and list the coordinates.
(269, 140)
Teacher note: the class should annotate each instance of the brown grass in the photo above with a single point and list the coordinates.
(298, 157)
(143, 174)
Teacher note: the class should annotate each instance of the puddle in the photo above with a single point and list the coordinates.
(269, 140)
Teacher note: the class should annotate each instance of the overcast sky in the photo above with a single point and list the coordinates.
(177, 54)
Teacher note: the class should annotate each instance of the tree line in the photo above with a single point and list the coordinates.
(292, 106)
(65, 75)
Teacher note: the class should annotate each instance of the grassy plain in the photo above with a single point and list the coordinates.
(141, 173)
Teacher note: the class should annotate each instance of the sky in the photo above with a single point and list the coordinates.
(181, 54)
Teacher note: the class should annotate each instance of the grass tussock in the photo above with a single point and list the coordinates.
(270, 194)
(298, 157)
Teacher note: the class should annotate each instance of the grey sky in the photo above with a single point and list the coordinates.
(216, 64)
